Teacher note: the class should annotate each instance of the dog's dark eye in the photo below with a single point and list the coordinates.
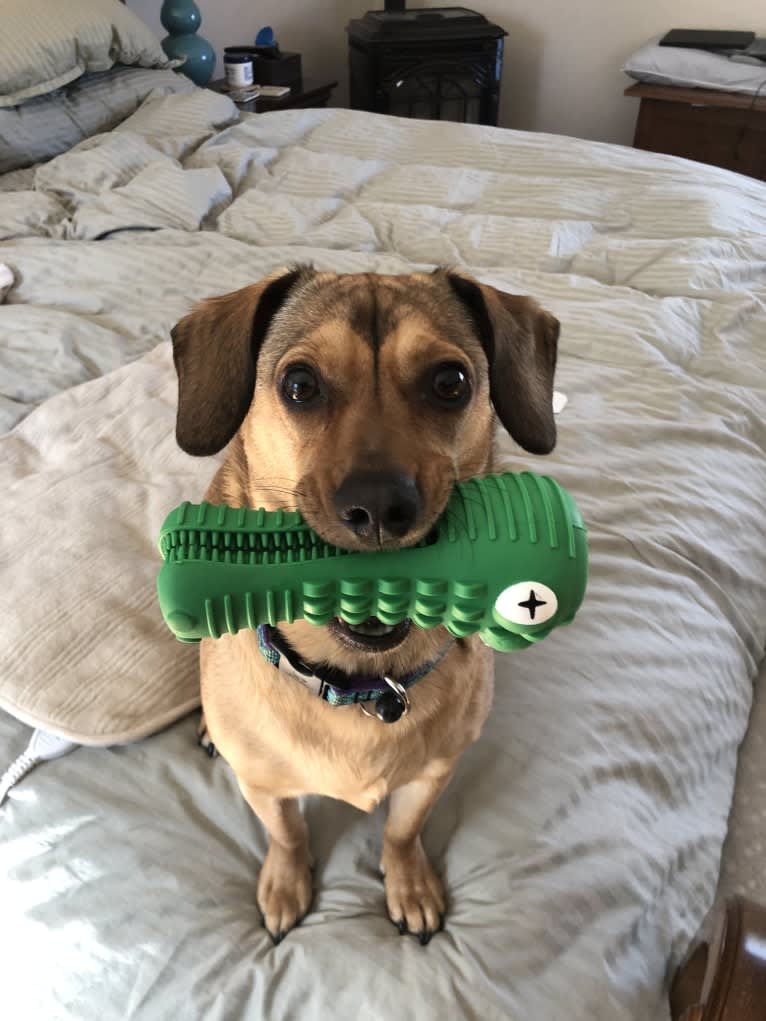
(450, 383)
(300, 385)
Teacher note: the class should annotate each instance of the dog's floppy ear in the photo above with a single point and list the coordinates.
(520, 340)
(215, 350)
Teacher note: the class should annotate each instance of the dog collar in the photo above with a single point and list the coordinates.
(338, 688)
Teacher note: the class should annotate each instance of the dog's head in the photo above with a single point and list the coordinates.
(360, 399)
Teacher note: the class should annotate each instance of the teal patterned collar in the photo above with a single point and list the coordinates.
(340, 689)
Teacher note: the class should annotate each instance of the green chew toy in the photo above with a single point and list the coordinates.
(508, 559)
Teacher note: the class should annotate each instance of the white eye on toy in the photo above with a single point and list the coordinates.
(527, 602)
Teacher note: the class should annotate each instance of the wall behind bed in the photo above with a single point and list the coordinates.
(563, 56)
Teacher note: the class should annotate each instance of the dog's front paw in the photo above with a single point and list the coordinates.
(414, 892)
(284, 889)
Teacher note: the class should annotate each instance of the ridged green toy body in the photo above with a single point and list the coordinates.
(507, 559)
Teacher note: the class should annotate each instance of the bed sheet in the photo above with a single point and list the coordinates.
(582, 836)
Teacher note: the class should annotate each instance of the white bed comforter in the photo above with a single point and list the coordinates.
(580, 840)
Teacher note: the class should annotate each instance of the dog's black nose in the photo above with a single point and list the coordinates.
(378, 504)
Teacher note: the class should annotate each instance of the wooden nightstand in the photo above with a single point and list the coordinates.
(310, 93)
(727, 129)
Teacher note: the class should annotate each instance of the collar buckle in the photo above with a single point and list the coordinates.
(392, 705)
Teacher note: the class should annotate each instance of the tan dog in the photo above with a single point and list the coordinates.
(359, 400)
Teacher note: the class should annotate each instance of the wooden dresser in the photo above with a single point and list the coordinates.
(727, 129)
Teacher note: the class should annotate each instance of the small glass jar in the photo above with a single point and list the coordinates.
(239, 70)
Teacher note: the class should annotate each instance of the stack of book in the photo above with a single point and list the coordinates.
(244, 93)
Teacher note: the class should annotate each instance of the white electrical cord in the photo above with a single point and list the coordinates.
(43, 747)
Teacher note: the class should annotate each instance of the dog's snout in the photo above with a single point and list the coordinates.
(378, 505)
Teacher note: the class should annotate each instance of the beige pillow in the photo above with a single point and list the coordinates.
(45, 44)
(86, 481)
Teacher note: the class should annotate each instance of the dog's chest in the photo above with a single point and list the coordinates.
(281, 740)
(358, 768)
(363, 792)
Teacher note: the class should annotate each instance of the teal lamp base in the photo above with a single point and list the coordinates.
(182, 18)
(197, 54)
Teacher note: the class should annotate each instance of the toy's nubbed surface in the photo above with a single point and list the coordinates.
(507, 559)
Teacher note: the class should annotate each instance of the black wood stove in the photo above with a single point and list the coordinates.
(440, 63)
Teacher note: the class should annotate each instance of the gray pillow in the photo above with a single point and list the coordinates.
(45, 44)
(675, 65)
(48, 125)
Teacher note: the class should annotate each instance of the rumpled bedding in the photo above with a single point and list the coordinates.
(581, 838)
(48, 125)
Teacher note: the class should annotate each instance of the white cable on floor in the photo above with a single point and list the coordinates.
(42, 747)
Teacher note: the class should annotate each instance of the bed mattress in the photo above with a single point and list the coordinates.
(581, 837)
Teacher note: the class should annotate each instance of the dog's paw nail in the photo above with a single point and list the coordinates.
(204, 742)
(425, 938)
(401, 925)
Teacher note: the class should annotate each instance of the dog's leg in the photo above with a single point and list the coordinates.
(414, 892)
(284, 885)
